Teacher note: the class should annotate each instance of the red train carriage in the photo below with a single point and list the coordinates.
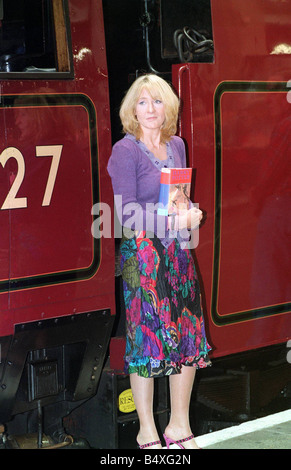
(59, 63)
(57, 280)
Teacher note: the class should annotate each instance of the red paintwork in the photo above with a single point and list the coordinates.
(255, 178)
(39, 240)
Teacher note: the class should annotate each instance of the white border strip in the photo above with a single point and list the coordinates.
(244, 428)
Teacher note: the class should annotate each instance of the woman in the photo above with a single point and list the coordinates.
(165, 329)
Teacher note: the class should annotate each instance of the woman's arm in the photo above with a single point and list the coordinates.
(132, 212)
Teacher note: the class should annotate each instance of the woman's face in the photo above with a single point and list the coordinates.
(150, 112)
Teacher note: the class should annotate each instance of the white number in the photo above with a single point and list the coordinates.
(11, 201)
(55, 152)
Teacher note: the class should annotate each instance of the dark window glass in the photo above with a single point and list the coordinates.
(28, 40)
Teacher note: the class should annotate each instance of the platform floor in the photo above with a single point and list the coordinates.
(270, 432)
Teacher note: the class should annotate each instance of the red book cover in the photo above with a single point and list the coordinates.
(174, 190)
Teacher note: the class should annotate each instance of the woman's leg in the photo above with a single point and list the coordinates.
(143, 394)
(180, 392)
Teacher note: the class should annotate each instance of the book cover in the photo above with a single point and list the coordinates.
(175, 190)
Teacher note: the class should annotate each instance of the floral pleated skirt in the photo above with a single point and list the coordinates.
(164, 319)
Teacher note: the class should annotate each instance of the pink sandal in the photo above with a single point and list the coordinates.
(169, 441)
(149, 444)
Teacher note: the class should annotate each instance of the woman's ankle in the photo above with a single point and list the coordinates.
(177, 431)
(147, 437)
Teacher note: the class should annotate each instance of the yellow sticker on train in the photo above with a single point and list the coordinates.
(126, 402)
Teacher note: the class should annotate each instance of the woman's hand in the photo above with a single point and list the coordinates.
(190, 219)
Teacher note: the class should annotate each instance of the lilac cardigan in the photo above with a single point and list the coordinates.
(135, 175)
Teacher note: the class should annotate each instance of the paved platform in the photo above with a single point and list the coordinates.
(270, 432)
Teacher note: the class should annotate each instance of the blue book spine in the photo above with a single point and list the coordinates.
(163, 199)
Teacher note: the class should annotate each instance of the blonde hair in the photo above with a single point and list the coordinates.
(158, 89)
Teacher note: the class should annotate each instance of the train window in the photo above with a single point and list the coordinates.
(34, 38)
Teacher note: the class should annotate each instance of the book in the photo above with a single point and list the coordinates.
(175, 187)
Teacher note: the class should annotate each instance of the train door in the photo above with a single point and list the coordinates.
(236, 121)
